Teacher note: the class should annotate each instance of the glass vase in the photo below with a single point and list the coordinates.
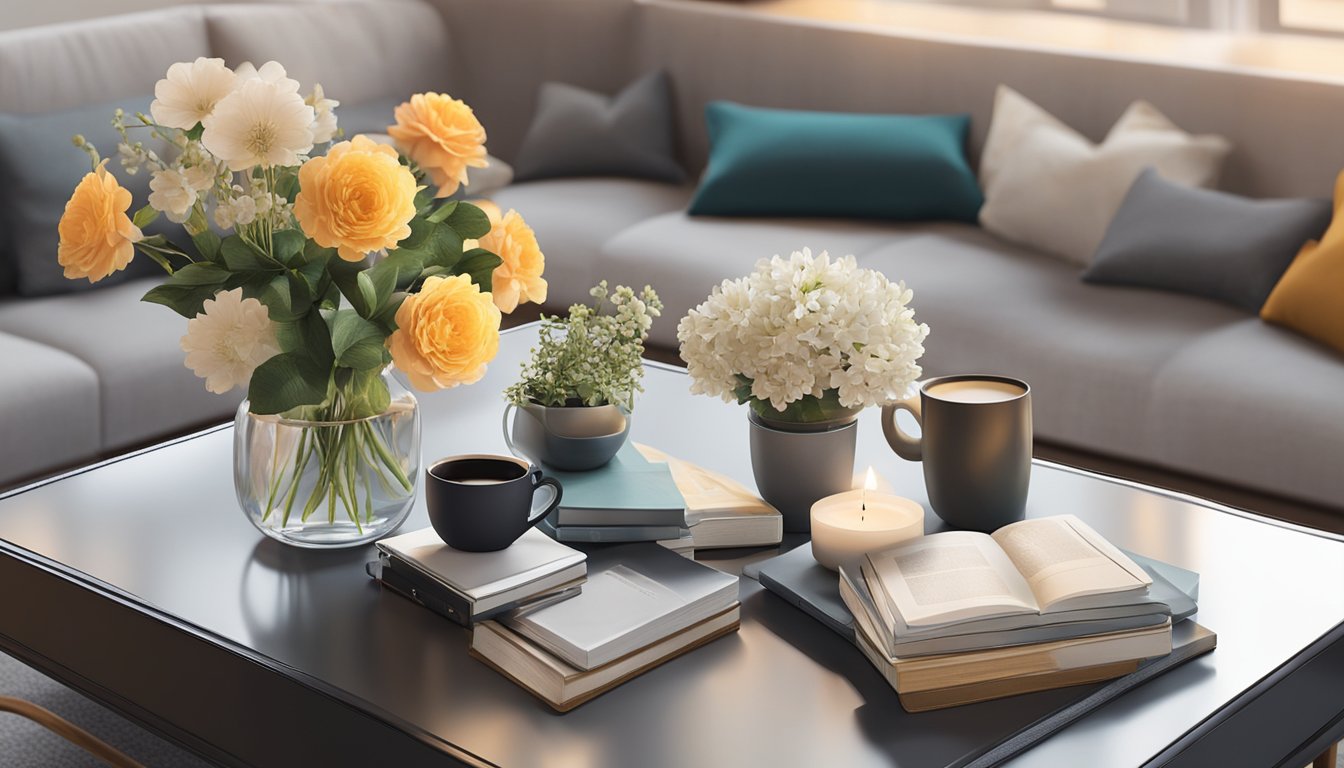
(327, 484)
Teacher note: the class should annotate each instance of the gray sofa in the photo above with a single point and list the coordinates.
(1156, 378)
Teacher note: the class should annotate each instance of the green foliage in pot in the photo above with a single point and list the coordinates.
(593, 356)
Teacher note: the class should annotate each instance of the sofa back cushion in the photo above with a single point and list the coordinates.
(741, 53)
(781, 162)
(359, 50)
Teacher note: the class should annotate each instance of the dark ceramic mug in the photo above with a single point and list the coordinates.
(483, 503)
(975, 444)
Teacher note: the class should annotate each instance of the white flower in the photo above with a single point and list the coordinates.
(261, 123)
(324, 124)
(238, 209)
(190, 92)
(228, 340)
(171, 194)
(200, 177)
(271, 72)
(801, 326)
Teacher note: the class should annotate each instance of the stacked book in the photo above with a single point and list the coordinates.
(959, 617)
(467, 587)
(644, 495)
(641, 606)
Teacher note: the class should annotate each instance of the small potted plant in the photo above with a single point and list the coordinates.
(578, 388)
(807, 343)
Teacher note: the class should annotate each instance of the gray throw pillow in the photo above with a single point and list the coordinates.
(1203, 242)
(39, 169)
(577, 132)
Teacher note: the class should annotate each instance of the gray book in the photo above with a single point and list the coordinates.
(628, 490)
(608, 534)
(636, 595)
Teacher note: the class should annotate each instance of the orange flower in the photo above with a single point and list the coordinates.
(97, 237)
(443, 136)
(517, 280)
(446, 333)
(357, 198)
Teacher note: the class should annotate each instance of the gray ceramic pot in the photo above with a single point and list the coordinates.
(574, 438)
(794, 469)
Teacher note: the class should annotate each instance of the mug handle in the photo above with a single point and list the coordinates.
(905, 446)
(538, 480)
(508, 433)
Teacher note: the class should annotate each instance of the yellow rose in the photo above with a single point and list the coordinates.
(97, 237)
(443, 136)
(357, 198)
(517, 280)
(445, 334)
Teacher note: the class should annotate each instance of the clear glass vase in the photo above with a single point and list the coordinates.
(329, 484)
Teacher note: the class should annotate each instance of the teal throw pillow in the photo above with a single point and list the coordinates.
(776, 162)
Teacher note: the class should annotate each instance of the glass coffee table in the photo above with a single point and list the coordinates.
(139, 582)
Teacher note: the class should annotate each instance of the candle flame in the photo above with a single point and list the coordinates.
(870, 480)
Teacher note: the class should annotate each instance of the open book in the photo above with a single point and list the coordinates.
(1031, 569)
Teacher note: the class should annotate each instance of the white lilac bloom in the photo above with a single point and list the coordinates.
(801, 326)
(190, 92)
(261, 123)
(171, 194)
(324, 111)
(228, 340)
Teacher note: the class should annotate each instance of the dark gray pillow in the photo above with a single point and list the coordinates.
(1204, 242)
(577, 132)
(39, 169)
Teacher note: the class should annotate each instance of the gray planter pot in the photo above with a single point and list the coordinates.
(574, 438)
(794, 469)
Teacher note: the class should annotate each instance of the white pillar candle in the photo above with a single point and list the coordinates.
(848, 525)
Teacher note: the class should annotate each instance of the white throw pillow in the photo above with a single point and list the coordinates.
(1049, 187)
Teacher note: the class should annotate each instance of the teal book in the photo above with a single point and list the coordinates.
(628, 490)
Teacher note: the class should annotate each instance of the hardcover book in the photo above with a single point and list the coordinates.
(628, 490)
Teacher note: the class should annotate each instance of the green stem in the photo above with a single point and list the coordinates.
(387, 458)
(298, 473)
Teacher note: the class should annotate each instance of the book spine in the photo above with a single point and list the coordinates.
(441, 601)
(614, 534)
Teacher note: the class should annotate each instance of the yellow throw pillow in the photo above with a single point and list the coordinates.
(1309, 298)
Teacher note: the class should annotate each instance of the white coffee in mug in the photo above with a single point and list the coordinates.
(976, 391)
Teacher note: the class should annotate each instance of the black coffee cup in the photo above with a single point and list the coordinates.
(482, 503)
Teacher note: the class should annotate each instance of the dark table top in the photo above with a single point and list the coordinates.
(161, 531)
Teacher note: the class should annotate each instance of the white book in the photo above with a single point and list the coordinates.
(1027, 573)
(720, 511)
(635, 595)
(533, 564)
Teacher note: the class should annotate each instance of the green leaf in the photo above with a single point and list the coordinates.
(145, 216)
(201, 273)
(365, 392)
(399, 267)
(308, 335)
(240, 256)
(195, 133)
(356, 342)
(286, 381)
(287, 186)
(469, 221)
(185, 300)
(207, 244)
(432, 244)
(368, 293)
(287, 297)
(443, 212)
(480, 265)
(287, 244)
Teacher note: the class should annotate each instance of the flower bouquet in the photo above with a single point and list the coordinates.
(311, 267)
(807, 342)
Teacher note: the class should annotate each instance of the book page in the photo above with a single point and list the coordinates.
(950, 577)
(1063, 559)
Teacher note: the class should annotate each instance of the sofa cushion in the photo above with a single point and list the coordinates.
(1089, 354)
(1252, 405)
(359, 51)
(783, 162)
(145, 390)
(1309, 298)
(48, 409)
(684, 257)
(578, 132)
(1204, 242)
(1050, 187)
(574, 217)
(39, 169)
